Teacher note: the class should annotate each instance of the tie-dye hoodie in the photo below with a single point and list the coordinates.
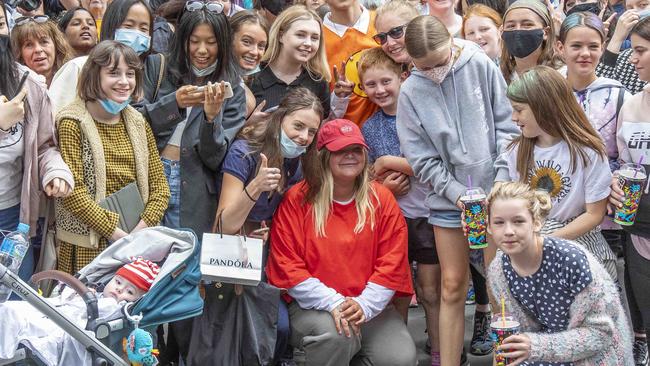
(601, 101)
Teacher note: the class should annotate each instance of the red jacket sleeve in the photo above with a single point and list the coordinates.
(392, 269)
(285, 267)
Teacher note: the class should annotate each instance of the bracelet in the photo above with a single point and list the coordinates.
(249, 195)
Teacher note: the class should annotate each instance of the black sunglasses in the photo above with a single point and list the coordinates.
(37, 19)
(212, 7)
(393, 33)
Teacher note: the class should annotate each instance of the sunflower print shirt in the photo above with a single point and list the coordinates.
(570, 189)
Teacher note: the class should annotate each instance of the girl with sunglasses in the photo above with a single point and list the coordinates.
(295, 57)
(127, 21)
(444, 144)
(38, 43)
(390, 22)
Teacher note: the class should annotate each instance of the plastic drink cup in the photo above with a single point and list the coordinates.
(500, 329)
(631, 179)
(475, 209)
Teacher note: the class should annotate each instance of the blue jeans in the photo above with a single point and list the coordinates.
(9, 219)
(172, 218)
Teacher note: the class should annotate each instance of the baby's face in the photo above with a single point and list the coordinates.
(122, 290)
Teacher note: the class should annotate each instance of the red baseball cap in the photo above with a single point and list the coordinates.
(338, 134)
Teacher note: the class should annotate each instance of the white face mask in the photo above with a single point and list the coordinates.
(199, 73)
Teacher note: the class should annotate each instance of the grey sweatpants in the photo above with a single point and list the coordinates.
(384, 340)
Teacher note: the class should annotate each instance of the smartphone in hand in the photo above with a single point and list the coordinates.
(227, 88)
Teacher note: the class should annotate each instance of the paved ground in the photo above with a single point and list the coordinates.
(417, 325)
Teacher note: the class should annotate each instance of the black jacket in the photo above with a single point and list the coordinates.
(203, 146)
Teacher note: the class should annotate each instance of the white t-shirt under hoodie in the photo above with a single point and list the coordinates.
(570, 190)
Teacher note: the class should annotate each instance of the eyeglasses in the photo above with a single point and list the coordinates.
(40, 19)
(394, 33)
(212, 7)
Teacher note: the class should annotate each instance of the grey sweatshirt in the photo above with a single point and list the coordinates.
(459, 128)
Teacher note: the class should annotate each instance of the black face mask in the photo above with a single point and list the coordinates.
(521, 43)
(588, 7)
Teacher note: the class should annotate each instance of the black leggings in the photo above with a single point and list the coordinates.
(637, 287)
(480, 287)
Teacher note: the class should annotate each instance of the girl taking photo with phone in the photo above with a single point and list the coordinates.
(192, 118)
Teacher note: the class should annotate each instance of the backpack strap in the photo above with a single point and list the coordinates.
(161, 74)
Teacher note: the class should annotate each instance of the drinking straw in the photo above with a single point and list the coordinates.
(503, 311)
(469, 181)
(638, 165)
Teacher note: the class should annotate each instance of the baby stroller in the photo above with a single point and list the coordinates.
(173, 296)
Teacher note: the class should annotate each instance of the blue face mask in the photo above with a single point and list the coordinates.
(113, 107)
(199, 73)
(290, 149)
(134, 39)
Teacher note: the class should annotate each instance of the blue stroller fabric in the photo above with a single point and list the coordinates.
(174, 294)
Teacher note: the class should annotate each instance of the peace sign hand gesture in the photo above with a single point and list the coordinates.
(342, 87)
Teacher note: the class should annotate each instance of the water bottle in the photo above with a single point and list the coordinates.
(12, 251)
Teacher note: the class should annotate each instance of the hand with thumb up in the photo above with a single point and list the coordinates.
(266, 180)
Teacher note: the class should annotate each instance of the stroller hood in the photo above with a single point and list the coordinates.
(174, 294)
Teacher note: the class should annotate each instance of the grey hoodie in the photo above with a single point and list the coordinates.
(459, 128)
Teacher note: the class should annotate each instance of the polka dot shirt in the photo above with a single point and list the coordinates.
(547, 294)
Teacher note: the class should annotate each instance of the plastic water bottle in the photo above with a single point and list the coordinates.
(12, 251)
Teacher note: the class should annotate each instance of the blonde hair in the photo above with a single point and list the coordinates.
(484, 11)
(400, 8)
(317, 66)
(425, 34)
(320, 193)
(538, 201)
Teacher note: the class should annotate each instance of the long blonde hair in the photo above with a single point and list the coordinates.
(320, 193)
(317, 66)
(557, 113)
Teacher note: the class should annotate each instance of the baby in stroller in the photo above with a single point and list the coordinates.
(20, 323)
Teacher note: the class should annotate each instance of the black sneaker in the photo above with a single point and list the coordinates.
(640, 349)
(481, 343)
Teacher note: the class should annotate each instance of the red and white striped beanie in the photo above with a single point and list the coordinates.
(141, 273)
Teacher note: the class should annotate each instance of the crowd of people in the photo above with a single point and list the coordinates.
(345, 132)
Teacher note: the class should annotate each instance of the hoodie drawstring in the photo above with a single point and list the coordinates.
(459, 129)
